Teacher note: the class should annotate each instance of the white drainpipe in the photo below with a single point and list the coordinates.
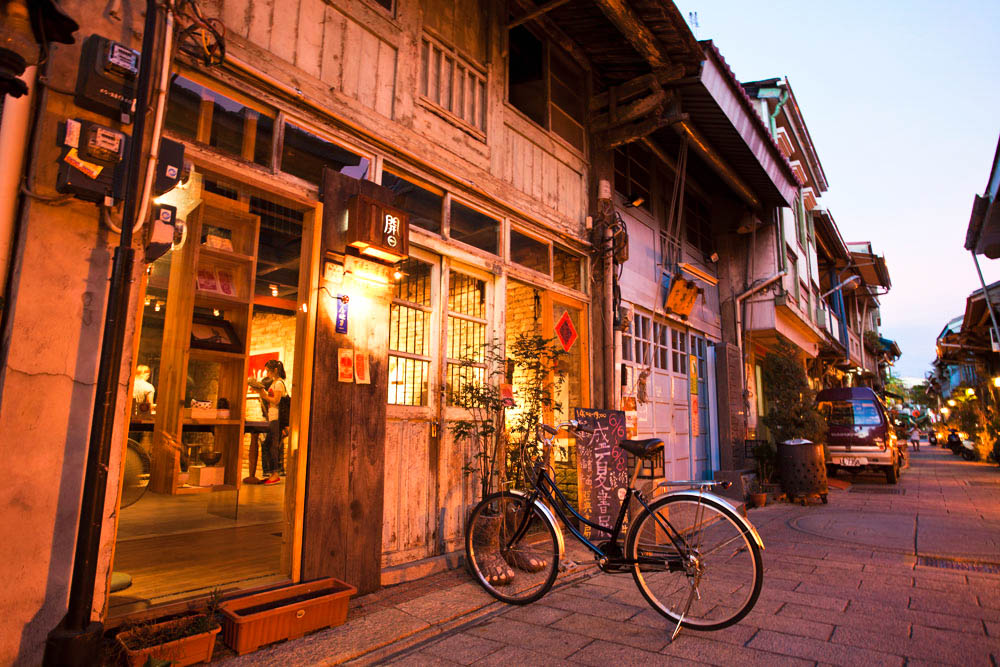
(14, 131)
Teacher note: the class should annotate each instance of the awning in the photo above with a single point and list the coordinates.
(723, 113)
(983, 234)
(872, 269)
(890, 346)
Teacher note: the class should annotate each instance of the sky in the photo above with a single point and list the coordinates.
(902, 102)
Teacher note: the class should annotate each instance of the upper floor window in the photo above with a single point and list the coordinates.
(697, 226)
(632, 177)
(305, 154)
(422, 203)
(546, 86)
(452, 84)
(477, 229)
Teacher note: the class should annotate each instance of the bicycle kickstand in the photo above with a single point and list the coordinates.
(687, 607)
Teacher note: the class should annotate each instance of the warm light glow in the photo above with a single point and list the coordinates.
(951, 402)
(215, 311)
(945, 411)
(377, 253)
(996, 381)
(274, 289)
(148, 301)
(157, 307)
(371, 277)
(970, 392)
(397, 274)
(305, 308)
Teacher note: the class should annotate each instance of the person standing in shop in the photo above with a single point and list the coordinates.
(273, 452)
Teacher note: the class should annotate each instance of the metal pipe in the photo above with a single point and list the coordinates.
(986, 295)
(739, 313)
(773, 120)
(14, 131)
(610, 377)
(76, 640)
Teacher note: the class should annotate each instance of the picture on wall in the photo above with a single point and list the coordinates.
(211, 333)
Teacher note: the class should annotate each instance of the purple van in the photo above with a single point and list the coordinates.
(860, 436)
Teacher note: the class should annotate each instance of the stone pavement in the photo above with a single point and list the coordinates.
(905, 574)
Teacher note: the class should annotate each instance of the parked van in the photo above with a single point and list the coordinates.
(860, 433)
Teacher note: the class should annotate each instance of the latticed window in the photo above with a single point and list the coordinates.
(452, 84)
(466, 332)
(661, 346)
(678, 340)
(409, 335)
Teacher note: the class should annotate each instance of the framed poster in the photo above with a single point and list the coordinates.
(214, 333)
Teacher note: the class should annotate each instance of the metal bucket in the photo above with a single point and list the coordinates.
(802, 469)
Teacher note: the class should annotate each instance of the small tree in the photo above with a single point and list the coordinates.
(791, 402)
(500, 428)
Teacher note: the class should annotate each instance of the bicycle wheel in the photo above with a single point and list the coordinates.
(511, 548)
(713, 580)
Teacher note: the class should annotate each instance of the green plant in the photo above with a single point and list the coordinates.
(766, 457)
(501, 428)
(791, 402)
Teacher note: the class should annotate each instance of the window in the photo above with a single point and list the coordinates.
(452, 84)
(200, 114)
(528, 252)
(698, 226)
(477, 229)
(466, 332)
(661, 346)
(423, 205)
(632, 177)
(698, 349)
(641, 339)
(409, 335)
(567, 268)
(304, 154)
(462, 24)
(545, 85)
(385, 3)
(857, 412)
(678, 341)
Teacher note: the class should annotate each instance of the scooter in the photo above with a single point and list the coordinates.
(932, 438)
(969, 451)
(954, 442)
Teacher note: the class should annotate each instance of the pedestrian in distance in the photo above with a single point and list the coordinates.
(915, 438)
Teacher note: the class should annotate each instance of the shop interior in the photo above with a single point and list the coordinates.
(204, 491)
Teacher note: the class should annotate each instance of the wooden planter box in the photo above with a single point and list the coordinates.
(287, 613)
(188, 650)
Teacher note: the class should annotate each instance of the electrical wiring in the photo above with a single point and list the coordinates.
(203, 38)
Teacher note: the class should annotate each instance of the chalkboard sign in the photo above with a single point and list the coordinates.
(602, 467)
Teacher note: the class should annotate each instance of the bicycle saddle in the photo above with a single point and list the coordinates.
(644, 449)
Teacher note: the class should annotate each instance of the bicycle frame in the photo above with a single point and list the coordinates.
(545, 487)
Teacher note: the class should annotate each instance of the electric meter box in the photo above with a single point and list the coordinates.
(105, 82)
(91, 165)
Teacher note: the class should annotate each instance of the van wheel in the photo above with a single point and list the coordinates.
(892, 474)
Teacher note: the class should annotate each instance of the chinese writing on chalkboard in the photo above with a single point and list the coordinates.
(602, 466)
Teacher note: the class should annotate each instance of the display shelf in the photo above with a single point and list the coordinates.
(225, 255)
(212, 422)
(217, 356)
(203, 297)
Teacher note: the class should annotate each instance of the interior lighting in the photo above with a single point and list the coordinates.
(370, 276)
(156, 307)
(274, 289)
(397, 275)
(215, 311)
(634, 201)
(305, 308)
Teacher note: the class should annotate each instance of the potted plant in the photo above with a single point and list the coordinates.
(181, 641)
(290, 612)
(758, 494)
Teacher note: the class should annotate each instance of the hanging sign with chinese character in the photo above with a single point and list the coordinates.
(566, 332)
(377, 230)
(341, 324)
(602, 466)
(681, 297)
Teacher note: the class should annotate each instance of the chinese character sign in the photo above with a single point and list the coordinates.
(602, 467)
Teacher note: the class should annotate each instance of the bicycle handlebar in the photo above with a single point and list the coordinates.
(571, 425)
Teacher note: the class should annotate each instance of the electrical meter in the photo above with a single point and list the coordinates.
(91, 165)
(106, 79)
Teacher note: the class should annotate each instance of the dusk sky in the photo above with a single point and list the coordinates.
(903, 107)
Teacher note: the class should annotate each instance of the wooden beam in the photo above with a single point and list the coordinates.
(718, 164)
(560, 38)
(638, 85)
(644, 106)
(635, 31)
(544, 9)
(668, 160)
(626, 134)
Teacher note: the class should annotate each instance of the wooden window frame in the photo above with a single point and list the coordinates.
(429, 44)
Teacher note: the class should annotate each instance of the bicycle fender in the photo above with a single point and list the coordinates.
(548, 515)
(695, 495)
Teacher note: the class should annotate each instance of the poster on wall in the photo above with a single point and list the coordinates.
(362, 374)
(345, 364)
(602, 467)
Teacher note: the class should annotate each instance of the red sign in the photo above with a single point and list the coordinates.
(565, 331)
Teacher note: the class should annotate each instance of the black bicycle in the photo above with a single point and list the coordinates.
(694, 558)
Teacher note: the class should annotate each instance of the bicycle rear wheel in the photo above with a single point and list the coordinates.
(714, 580)
(511, 548)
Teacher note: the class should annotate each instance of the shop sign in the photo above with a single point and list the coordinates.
(602, 466)
(681, 297)
(566, 332)
(341, 324)
(377, 230)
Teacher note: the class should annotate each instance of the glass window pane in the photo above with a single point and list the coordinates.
(477, 229)
(415, 285)
(407, 381)
(423, 205)
(567, 268)
(466, 295)
(528, 252)
(526, 74)
(304, 154)
(183, 108)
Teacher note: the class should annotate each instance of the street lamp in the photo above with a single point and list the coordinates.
(951, 402)
(970, 391)
(945, 412)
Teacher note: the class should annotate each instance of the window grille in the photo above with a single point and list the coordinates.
(453, 85)
(466, 333)
(409, 335)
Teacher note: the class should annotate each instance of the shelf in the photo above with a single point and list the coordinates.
(211, 422)
(216, 355)
(224, 255)
(201, 296)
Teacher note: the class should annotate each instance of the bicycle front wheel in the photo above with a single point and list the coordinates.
(511, 548)
(711, 577)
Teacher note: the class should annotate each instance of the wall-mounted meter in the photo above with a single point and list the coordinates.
(92, 160)
(105, 82)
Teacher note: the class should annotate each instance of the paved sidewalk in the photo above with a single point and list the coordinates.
(903, 574)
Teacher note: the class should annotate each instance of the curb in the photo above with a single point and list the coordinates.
(405, 644)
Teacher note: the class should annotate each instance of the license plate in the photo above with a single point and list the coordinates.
(853, 462)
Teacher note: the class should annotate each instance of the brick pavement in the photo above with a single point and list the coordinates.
(845, 584)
